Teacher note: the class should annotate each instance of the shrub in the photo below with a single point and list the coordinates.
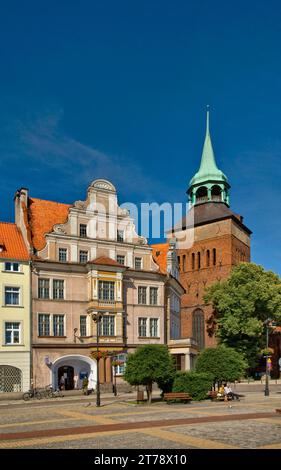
(197, 384)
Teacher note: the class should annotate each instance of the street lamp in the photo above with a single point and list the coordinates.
(269, 323)
(97, 318)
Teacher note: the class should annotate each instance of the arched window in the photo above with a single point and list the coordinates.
(183, 264)
(198, 327)
(202, 194)
(193, 260)
(199, 260)
(208, 258)
(214, 256)
(216, 193)
(179, 262)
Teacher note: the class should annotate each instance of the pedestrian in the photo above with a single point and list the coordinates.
(62, 383)
(85, 384)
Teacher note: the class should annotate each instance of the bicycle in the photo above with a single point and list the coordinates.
(32, 393)
(50, 392)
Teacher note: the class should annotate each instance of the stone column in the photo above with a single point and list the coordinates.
(187, 361)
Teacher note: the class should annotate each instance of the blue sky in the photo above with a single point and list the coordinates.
(118, 89)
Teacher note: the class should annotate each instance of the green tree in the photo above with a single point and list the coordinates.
(222, 363)
(196, 384)
(241, 305)
(150, 364)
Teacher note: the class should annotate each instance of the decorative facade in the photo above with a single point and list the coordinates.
(87, 259)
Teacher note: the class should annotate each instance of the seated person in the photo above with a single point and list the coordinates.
(230, 394)
(221, 392)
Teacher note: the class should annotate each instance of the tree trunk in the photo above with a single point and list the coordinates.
(149, 392)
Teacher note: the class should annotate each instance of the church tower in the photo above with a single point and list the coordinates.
(220, 240)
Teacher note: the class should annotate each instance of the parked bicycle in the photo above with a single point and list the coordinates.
(51, 392)
(32, 393)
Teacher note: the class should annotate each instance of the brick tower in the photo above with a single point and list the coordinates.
(211, 239)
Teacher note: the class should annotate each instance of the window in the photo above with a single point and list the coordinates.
(58, 325)
(120, 369)
(83, 325)
(153, 327)
(193, 260)
(208, 258)
(138, 263)
(83, 230)
(106, 291)
(43, 288)
(153, 295)
(12, 267)
(43, 324)
(106, 325)
(58, 289)
(120, 235)
(62, 254)
(142, 327)
(198, 327)
(199, 259)
(120, 259)
(83, 256)
(141, 295)
(183, 263)
(12, 333)
(214, 256)
(12, 295)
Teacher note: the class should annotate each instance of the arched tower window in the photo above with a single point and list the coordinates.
(198, 327)
(208, 258)
(216, 193)
(193, 260)
(199, 260)
(214, 256)
(202, 194)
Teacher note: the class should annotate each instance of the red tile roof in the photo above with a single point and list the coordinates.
(43, 215)
(104, 260)
(159, 253)
(12, 240)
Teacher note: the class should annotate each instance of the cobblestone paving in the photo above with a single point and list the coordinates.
(245, 433)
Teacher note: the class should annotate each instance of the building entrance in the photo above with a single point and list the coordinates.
(66, 377)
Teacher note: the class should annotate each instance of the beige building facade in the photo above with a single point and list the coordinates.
(89, 263)
(15, 312)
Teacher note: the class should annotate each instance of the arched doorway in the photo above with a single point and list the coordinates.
(74, 368)
(10, 379)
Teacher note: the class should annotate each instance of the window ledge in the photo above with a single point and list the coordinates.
(12, 345)
(12, 306)
(52, 336)
(12, 272)
(149, 337)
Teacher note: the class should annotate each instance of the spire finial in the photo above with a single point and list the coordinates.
(208, 118)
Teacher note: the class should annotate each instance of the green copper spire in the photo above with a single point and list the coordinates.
(208, 176)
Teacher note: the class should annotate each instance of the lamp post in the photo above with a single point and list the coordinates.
(97, 318)
(268, 323)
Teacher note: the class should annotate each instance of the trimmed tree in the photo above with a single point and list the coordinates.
(196, 384)
(222, 363)
(241, 305)
(150, 364)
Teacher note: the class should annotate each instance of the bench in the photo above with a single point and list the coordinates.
(214, 396)
(177, 396)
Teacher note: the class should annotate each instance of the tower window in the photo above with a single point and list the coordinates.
(208, 258)
(214, 256)
(193, 260)
(198, 327)
(199, 259)
(183, 263)
(216, 193)
(202, 194)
